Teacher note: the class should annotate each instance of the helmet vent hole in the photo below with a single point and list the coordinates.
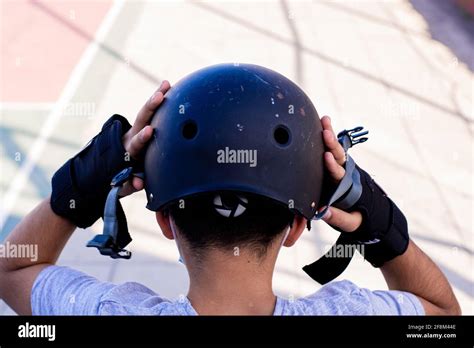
(189, 129)
(282, 135)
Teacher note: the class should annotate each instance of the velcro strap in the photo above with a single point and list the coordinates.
(347, 192)
(331, 265)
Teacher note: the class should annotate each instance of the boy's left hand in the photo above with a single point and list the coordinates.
(334, 160)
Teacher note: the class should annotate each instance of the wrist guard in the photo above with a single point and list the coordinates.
(80, 186)
(383, 234)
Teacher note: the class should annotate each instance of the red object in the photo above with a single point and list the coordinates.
(41, 43)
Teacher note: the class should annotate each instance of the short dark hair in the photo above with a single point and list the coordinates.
(203, 227)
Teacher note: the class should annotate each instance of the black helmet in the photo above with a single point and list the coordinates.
(236, 127)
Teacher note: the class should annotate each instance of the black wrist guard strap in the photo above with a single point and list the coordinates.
(80, 186)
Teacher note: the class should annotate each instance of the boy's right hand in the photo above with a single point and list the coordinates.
(137, 137)
(80, 187)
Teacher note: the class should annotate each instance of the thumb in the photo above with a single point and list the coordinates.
(347, 222)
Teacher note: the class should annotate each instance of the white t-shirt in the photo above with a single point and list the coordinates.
(64, 291)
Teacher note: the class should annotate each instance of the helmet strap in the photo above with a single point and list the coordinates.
(345, 196)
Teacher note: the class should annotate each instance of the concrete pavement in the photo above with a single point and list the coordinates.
(362, 62)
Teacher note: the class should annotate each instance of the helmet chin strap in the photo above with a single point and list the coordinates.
(115, 234)
(345, 196)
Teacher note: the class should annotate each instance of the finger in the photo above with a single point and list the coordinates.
(335, 169)
(139, 141)
(147, 111)
(334, 146)
(127, 189)
(347, 222)
(165, 86)
(131, 186)
(331, 141)
(138, 184)
(327, 124)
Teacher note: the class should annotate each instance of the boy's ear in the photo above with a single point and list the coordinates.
(296, 229)
(165, 224)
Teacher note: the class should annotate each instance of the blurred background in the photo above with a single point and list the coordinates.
(401, 68)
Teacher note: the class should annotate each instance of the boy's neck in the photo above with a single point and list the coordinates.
(236, 285)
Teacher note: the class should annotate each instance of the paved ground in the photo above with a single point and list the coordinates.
(364, 62)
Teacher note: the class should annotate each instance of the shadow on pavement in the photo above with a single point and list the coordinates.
(451, 26)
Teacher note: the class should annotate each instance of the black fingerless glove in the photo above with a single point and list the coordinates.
(80, 186)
